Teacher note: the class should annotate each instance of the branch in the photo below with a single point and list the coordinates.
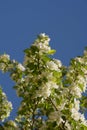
(53, 103)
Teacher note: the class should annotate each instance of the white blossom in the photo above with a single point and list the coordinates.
(5, 56)
(79, 59)
(68, 126)
(82, 80)
(42, 47)
(51, 65)
(56, 116)
(48, 75)
(45, 89)
(82, 118)
(21, 67)
(44, 35)
(12, 123)
(84, 70)
(75, 90)
(75, 114)
(85, 52)
(76, 104)
(14, 61)
(58, 62)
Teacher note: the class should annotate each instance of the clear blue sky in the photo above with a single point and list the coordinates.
(65, 21)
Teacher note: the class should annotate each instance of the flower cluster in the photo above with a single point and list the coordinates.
(42, 43)
(5, 106)
(4, 61)
(52, 94)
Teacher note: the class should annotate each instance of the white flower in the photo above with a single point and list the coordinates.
(3, 94)
(82, 118)
(53, 85)
(45, 91)
(79, 59)
(75, 114)
(49, 76)
(12, 123)
(5, 107)
(21, 67)
(75, 90)
(51, 65)
(10, 104)
(43, 47)
(82, 81)
(14, 61)
(76, 104)
(5, 57)
(68, 125)
(85, 52)
(43, 43)
(84, 70)
(58, 62)
(43, 34)
(56, 116)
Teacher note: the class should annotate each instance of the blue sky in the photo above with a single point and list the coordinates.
(65, 21)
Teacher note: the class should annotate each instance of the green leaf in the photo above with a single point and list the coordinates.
(57, 74)
(34, 49)
(45, 58)
(26, 50)
(84, 127)
(51, 52)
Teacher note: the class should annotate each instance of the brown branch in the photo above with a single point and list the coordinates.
(52, 103)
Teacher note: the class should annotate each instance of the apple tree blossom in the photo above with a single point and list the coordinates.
(53, 95)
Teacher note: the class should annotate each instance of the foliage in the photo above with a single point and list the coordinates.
(52, 94)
